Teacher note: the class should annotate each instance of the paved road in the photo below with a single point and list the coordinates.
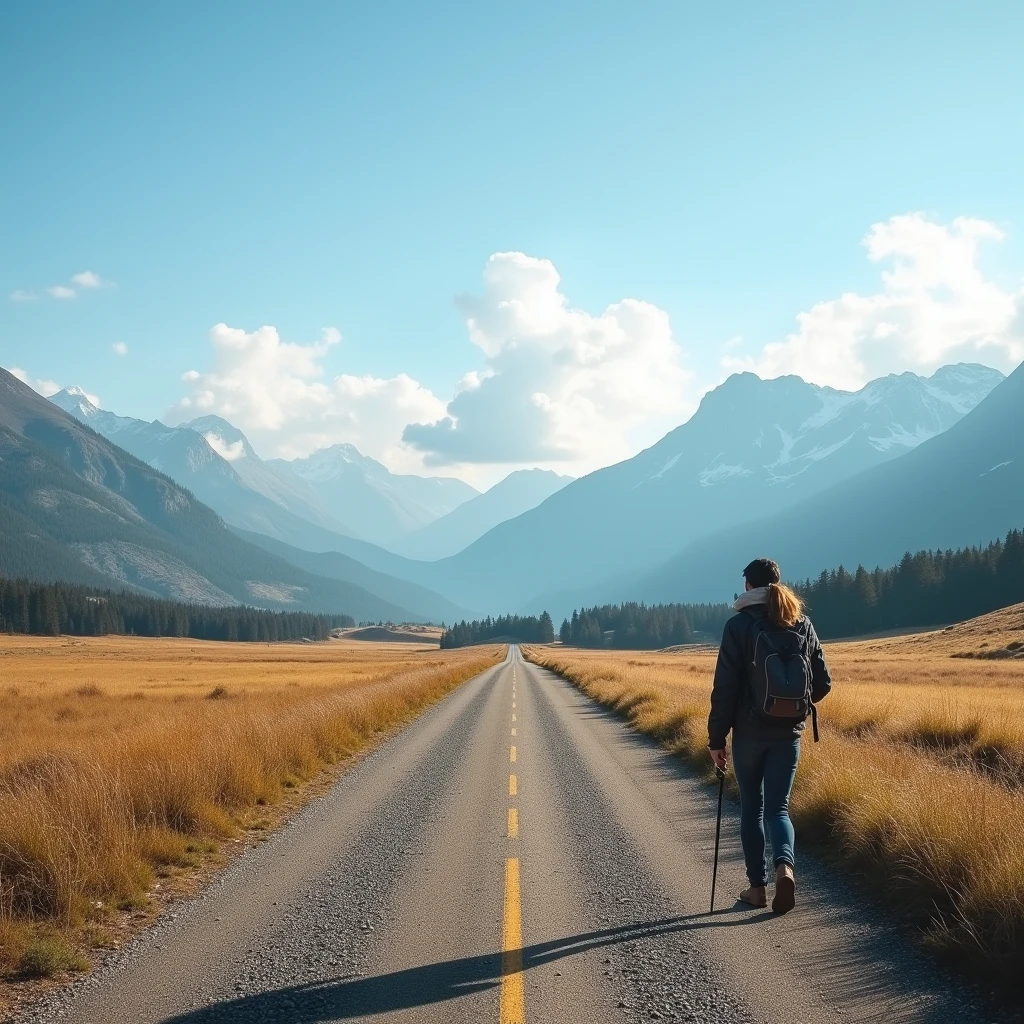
(515, 855)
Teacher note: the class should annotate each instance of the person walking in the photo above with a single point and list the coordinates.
(771, 673)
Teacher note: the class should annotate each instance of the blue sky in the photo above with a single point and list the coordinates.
(333, 165)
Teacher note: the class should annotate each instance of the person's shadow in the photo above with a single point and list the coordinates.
(345, 998)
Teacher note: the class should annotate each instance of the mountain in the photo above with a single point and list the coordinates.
(188, 457)
(752, 447)
(378, 505)
(961, 488)
(286, 489)
(425, 605)
(511, 497)
(76, 507)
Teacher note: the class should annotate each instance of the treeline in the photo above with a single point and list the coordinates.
(50, 609)
(633, 626)
(927, 589)
(531, 629)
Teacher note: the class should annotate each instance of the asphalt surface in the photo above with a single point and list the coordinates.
(514, 855)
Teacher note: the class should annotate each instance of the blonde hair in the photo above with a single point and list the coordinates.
(784, 607)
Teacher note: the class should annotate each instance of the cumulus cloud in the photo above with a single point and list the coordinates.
(229, 450)
(59, 291)
(278, 393)
(45, 387)
(934, 306)
(120, 348)
(21, 295)
(560, 385)
(87, 279)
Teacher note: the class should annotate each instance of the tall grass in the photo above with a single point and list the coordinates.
(102, 788)
(896, 793)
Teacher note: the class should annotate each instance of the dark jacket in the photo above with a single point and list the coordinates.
(732, 698)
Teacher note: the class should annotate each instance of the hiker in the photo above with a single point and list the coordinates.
(770, 674)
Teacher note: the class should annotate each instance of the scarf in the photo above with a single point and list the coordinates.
(759, 595)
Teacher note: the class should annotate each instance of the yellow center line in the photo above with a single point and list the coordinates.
(513, 785)
(513, 823)
(512, 754)
(512, 1009)
(513, 731)
(513, 718)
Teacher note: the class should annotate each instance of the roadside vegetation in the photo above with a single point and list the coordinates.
(126, 764)
(917, 787)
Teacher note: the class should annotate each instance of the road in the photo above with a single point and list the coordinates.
(515, 855)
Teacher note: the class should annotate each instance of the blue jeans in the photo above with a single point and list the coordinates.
(765, 769)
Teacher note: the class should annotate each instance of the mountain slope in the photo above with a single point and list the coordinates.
(74, 506)
(286, 489)
(188, 457)
(424, 604)
(964, 487)
(517, 493)
(752, 446)
(378, 505)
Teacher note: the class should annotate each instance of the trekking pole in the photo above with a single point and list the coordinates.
(718, 833)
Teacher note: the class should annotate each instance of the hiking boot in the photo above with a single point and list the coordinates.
(756, 896)
(785, 889)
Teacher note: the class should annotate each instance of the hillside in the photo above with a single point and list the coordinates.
(752, 445)
(75, 507)
(998, 635)
(964, 487)
(425, 604)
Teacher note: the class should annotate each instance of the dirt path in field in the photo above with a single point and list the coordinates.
(516, 855)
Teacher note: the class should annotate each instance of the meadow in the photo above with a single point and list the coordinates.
(917, 785)
(128, 766)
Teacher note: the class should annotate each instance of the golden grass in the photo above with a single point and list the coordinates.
(125, 759)
(918, 782)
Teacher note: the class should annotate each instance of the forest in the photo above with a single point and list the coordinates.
(930, 588)
(50, 609)
(531, 629)
(634, 626)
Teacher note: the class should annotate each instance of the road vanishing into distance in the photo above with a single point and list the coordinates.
(514, 855)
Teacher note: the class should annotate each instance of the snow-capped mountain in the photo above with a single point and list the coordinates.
(379, 505)
(962, 487)
(753, 447)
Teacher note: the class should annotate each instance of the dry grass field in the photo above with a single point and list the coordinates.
(125, 764)
(917, 785)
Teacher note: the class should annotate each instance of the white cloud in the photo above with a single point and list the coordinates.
(87, 279)
(934, 306)
(120, 348)
(226, 450)
(278, 394)
(560, 385)
(45, 387)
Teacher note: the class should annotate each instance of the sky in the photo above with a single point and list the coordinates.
(472, 237)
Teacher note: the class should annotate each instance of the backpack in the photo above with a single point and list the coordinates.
(781, 679)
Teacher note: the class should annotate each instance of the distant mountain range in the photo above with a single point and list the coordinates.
(753, 448)
(74, 506)
(378, 505)
(511, 497)
(810, 475)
